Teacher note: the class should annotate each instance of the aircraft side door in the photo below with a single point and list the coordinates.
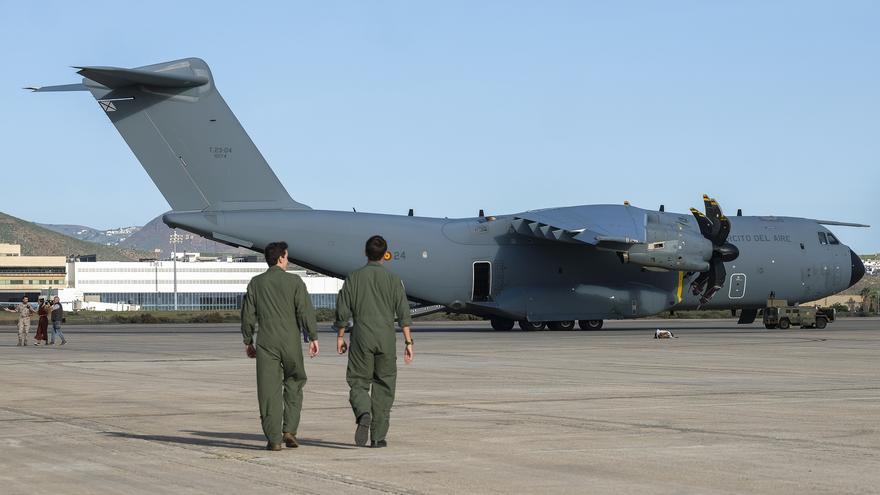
(481, 281)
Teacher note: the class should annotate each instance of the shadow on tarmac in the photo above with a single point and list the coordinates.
(226, 440)
(260, 438)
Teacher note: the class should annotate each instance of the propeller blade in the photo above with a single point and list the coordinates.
(699, 283)
(716, 228)
(704, 223)
(723, 230)
(713, 209)
(717, 275)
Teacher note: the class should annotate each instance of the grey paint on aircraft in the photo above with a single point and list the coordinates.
(589, 262)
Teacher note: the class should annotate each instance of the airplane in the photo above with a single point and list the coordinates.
(545, 268)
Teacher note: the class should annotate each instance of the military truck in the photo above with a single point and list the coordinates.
(778, 314)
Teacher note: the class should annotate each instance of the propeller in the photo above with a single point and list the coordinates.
(715, 227)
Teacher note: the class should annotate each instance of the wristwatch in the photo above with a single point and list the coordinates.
(408, 342)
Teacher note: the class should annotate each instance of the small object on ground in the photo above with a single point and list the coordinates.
(663, 334)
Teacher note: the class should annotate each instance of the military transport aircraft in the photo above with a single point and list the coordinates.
(550, 267)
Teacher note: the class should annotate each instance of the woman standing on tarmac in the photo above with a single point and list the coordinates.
(42, 336)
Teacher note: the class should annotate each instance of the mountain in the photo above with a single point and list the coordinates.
(110, 237)
(156, 235)
(147, 239)
(39, 241)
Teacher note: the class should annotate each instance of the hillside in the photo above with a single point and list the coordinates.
(111, 237)
(39, 241)
(155, 235)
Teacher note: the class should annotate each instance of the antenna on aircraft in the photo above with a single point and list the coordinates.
(662, 208)
(481, 213)
(352, 209)
(410, 212)
(739, 212)
(626, 203)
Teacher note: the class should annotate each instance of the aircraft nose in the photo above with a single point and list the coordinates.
(858, 268)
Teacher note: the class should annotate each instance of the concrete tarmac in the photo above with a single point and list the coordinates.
(720, 409)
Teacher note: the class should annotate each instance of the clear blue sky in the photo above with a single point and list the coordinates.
(449, 107)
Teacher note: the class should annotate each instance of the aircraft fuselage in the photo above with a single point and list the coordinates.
(537, 279)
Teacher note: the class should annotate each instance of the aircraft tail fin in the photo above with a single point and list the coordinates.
(186, 137)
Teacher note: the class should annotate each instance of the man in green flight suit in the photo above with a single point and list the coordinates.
(372, 297)
(278, 305)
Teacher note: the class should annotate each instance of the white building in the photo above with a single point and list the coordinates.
(200, 285)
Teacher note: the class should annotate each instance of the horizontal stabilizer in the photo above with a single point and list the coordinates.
(116, 77)
(60, 87)
(842, 224)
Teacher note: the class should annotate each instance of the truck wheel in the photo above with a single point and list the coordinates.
(821, 322)
(784, 324)
(502, 324)
(590, 324)
(531, 326)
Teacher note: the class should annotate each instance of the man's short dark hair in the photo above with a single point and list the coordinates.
(376, 248)
(273, 251)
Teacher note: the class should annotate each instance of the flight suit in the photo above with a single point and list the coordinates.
(25, 312)
(372, 296)
(278, 305)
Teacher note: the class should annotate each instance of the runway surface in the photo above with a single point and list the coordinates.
(720, 409)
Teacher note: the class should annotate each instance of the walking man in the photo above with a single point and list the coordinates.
(57, 319)
(277, 306)
(25, 313)
(372, 297)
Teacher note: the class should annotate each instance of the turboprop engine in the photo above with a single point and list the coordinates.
(672, 244)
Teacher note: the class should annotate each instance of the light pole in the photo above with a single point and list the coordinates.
(175, 239)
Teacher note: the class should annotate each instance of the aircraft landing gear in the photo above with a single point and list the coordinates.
(502, 324)
(590, 324)
(530, 326)
(561, 325)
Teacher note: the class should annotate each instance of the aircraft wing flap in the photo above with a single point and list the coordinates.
(603, 226)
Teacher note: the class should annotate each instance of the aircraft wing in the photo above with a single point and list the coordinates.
(604, 226)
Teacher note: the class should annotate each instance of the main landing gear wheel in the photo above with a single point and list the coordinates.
(561, 325)
(502, 324)
(531, 326)
(590, 324)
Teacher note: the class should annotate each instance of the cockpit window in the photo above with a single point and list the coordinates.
(832, 239)
(822, 239)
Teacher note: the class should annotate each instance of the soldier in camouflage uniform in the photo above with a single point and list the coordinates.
(372, 297)
(278, 306)
(25, 313)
